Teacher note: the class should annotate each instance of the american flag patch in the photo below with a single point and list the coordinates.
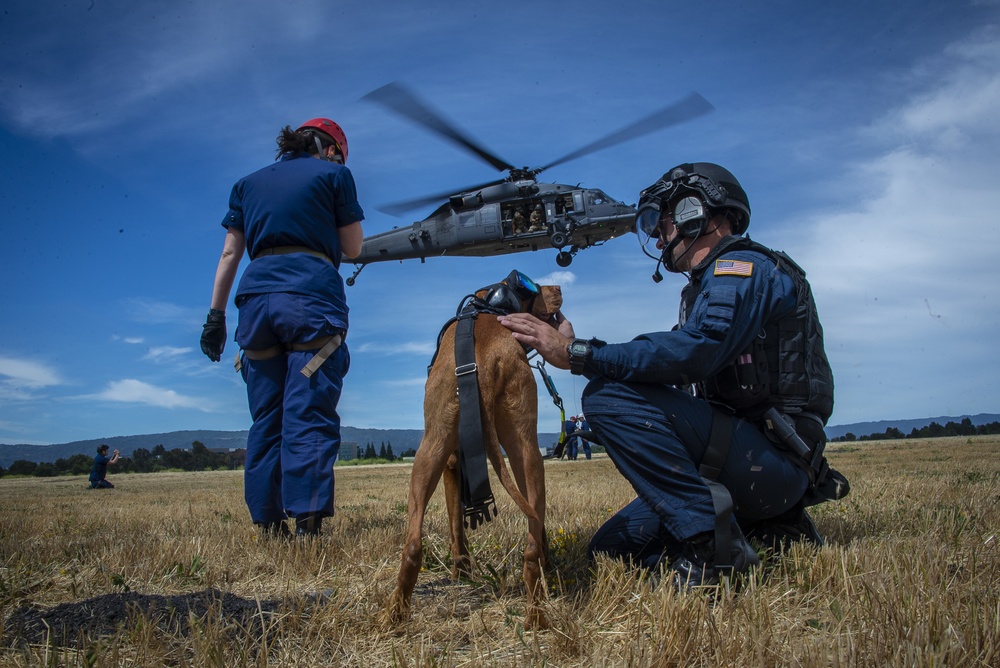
(733, 268)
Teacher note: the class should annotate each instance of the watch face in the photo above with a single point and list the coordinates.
(579, 348)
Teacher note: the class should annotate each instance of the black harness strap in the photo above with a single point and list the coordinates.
(478, 505)
(711, 466)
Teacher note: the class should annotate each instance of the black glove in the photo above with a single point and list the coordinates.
(213, 337)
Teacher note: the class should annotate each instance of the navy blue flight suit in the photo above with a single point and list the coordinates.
(286, 299)
(656, 433)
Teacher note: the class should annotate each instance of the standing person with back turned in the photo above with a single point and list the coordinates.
(295, 218)
(717, 423)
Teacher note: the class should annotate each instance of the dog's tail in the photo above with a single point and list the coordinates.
(507, 480)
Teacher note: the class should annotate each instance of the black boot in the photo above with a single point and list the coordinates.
(274, 529)
(695, 566)
(308, 525)
(779, 533)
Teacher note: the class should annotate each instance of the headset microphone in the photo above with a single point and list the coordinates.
(665, 258)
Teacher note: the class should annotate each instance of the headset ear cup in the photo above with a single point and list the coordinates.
(690, 216)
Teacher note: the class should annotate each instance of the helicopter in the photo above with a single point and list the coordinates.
(515, 213)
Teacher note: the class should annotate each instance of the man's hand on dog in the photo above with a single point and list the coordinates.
(550, 342)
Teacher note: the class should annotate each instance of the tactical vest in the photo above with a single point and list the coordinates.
(786, 365)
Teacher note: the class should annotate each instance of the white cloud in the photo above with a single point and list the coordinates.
(929, 232)
(906, 279)
(403, 348)
(967, 98)
(133, 391)
(165, 353)
(19, 375)
(154, 312)
(560, 278)
(123, 62)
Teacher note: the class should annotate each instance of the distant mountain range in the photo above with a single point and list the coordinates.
(400, 439)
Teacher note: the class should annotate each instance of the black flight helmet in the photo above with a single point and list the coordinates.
(693, 193)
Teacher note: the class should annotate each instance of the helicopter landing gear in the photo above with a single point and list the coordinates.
(558, 239)
(564, 258)
(357, 270)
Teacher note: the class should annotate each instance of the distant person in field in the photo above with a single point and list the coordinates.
(296, 219)
(569, 427)
(718, 422)
(99, 472)
(583, 426)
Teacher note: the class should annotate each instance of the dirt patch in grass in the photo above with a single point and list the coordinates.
(73, 624)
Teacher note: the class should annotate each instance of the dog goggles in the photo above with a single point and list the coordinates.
(522, 285)
(514, 294)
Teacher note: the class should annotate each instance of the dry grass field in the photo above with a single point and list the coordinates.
(167, 570)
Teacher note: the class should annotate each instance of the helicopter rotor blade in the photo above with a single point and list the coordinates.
(396, 97)
(690, 107)
(398, 208)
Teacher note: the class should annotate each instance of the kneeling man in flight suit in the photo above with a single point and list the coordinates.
(718, 422)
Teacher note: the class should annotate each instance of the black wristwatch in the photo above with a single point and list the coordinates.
(579, 352)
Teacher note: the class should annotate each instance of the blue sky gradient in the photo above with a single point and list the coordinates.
(865, 133)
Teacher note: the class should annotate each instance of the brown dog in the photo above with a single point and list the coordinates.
(509, 408)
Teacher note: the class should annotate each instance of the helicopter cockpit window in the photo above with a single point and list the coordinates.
(597, 197)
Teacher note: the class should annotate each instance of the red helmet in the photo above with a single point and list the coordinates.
(330, 129)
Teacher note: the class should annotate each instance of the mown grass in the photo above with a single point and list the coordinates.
(910, 575)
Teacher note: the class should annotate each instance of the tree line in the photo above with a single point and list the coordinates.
(384, 452)
(142, 460)
(933, 430)
(198, 458)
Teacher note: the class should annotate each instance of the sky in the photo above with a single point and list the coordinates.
(865, 134)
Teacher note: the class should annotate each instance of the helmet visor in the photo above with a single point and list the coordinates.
(652, 204)
(647, 225)
(647, 218)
